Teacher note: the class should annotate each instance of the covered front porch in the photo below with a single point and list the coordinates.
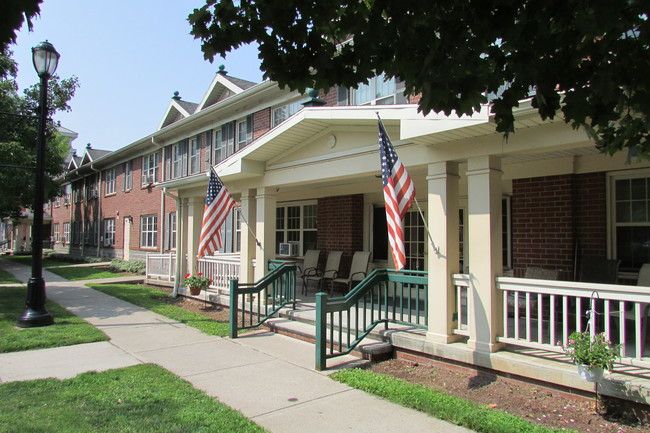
(322, 168)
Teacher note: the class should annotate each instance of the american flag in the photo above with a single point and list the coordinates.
(399, 193)
(218, 204)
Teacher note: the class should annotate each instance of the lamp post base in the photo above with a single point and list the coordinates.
(35, 315)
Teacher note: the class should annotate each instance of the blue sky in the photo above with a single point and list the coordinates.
(130, 57)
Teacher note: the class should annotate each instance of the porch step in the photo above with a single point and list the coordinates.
(303, 328)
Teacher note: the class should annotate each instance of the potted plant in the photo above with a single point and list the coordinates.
(592, 354)
(196, 283)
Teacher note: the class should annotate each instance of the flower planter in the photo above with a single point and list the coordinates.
(195, 291)
(591, 374)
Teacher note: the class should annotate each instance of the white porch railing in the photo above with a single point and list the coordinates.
(543, 313)
(461, 283)
(220, 269)
(161, 266)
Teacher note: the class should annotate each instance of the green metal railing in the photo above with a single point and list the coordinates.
(385, 296)
(254, 303)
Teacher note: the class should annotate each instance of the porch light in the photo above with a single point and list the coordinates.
(45, 58)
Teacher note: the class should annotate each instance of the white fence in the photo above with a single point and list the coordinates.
(543, 313)
(220, 269)
(161, 266)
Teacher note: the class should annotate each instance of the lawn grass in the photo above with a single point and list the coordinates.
(27, 261)
(67, 329)
(151, 299)
(472, 415)
(85, 273)
(7, 277)
(143, 398)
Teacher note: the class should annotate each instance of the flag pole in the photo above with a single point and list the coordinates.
(259, 244)
(424, 220)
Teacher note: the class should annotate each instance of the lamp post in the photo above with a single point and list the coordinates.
(45, 59)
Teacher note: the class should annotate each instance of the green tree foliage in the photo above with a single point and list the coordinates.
(586, 61)
(18, 132)
(13, 13)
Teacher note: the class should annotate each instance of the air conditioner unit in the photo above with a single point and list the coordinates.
(148, 180)
(289, 249)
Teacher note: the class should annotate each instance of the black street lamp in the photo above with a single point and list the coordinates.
(46, 59)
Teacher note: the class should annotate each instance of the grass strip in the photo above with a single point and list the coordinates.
(85, 273)
(143, 398)
(7, 278)
(67, 329)
(443, 406)
(152, 299)
(27, 261)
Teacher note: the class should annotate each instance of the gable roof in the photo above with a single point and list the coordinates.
(223, 86)
(92, 154)
(177, 110)
(75, 162)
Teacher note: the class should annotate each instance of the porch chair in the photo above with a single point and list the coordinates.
(329, 273)
(535, 273)
(358, 270)
(643, 280)
(309, 267)
(599, 270)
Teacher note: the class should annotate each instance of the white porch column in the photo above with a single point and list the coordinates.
(181, 240)
(484, 251)
(265, 230)
(443, 226)
(247, 253)
(195, 208)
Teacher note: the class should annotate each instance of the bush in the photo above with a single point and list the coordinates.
(135, 267)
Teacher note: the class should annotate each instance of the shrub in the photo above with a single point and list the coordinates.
(135, 267)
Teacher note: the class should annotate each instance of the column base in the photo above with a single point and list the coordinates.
(34, 318)
(485, 347)
(442, 338)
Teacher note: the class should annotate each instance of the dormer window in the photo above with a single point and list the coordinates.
(378, 91)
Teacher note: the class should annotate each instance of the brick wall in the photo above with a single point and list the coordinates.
(261, 122)
(340, 227)
(550, 214)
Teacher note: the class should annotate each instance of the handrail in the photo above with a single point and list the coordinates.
(385, 296)
(261, 299)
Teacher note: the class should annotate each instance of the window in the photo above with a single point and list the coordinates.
(57, 201)
(110, 181)
(149, 231)
(244, 132)
(109, 232)
(179, 159)
(231, 233)
(224, 142)
(67, 192)
(297, 223)
(378, 91)
(127, 181)
(92, 188)
(631, 218)
(195, 156)
(415, 238)
(55, 232)
(280, 114)
(66, 233)
(170, 231)
(149, 169)
(90, 233)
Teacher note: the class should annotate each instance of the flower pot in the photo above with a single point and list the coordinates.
(591, 374)
(195, 291)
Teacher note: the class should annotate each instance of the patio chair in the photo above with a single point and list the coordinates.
(309, 267)
(643, 280)
(330, 272)
(358, 270)
(599, 270)
(536, 274)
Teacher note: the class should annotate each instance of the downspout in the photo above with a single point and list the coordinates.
(99, 210)
(179, 231)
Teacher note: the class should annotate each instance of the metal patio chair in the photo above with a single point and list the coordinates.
(358, 270)
(329, 273)
(309, 267)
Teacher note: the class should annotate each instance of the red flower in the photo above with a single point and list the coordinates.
(187, 275)
(210, 280)
(200, 273)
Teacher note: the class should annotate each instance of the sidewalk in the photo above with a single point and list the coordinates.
(267, 376)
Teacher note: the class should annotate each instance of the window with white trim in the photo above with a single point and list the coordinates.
(630, 204)
(378, 91)
(55, 232)
(231, 232)
(179, 159)
(110, 182)
(195, 156)
(224, 142)
(244, 132)
(280, 114)
(66, 233)
(127, 181)
(297, 223)
(170, 231)
(109, 232)
(149, 231)
(149, 168)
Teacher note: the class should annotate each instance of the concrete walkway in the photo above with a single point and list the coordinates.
(267, 376)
